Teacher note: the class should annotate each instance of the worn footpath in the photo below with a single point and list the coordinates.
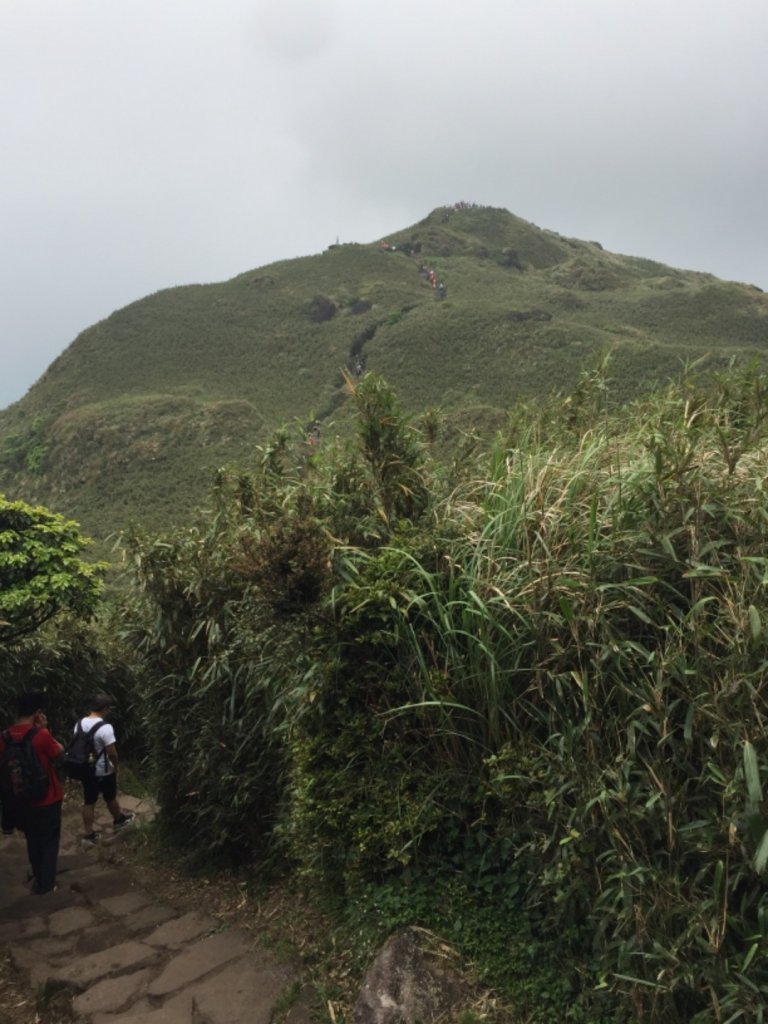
(127, 958)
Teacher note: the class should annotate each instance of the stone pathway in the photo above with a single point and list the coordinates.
(128, 959)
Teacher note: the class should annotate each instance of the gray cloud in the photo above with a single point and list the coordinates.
(295, 30)
(153, 144)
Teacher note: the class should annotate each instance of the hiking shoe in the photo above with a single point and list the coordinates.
(92, 838)
(125, 819)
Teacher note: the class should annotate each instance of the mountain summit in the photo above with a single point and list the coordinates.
(471, 307)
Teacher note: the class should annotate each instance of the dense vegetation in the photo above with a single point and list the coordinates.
(129, 423)
(517, 696)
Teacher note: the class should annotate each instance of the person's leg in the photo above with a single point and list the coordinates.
(33, 833)
(90, 796)
(9, 823)
(120, 818)
(88, 814)
(49, 835)
(108, 785)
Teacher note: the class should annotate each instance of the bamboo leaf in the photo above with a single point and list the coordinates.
(761, 857)
(702, 572)
(755, 625)
(750, 955)
(719, 870)
(639, 613)
(688, 726)
(752, 775)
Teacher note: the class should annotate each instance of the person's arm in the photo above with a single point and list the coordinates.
(112, 755)
(53, 748)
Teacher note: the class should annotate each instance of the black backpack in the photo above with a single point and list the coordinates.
(80, 757)
(23, 780)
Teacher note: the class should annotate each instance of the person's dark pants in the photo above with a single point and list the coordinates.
(9, 818)
(42, 827)
(95, 784)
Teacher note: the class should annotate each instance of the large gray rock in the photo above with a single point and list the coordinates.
(406, 984)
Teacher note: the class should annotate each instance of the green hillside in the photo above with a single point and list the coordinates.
(130, 422)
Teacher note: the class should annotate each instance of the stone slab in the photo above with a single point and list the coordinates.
(22, 906)
(24, 959)
(70, 919)
(25, 954)
(243, 993)
(144, 806)
(179, 1010)
(198, 960)
(41, 974)
(149, 917)
(100, 883)
(126, 903)
(118, 959)
(14, 894)
(32, 928)
(70, 860)
(111, 994)
(178, 932)
(142, 1006)
(48, 902)
(19, 905)
(101, 936)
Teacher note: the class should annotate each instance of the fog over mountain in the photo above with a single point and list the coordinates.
(149, 145)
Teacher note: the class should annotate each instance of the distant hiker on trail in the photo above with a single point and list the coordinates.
(313, 433)
(100, 775)
(31, 791)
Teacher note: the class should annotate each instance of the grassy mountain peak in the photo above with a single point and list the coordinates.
(470, 309)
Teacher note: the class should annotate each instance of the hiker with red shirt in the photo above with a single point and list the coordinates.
(40, 820)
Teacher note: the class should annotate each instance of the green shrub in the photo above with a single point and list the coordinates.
(522, 701)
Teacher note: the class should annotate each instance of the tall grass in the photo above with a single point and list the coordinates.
(593, 650)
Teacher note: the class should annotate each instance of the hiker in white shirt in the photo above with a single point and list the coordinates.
(104, 779)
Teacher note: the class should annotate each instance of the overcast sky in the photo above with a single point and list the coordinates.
(152, 143)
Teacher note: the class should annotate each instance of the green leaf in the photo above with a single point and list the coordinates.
(755, 625)
(750, 955)
(752, 775)
(761, 857)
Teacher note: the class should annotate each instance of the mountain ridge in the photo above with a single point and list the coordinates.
(132, 419)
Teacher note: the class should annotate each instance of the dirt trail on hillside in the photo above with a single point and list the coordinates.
(127, 958)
